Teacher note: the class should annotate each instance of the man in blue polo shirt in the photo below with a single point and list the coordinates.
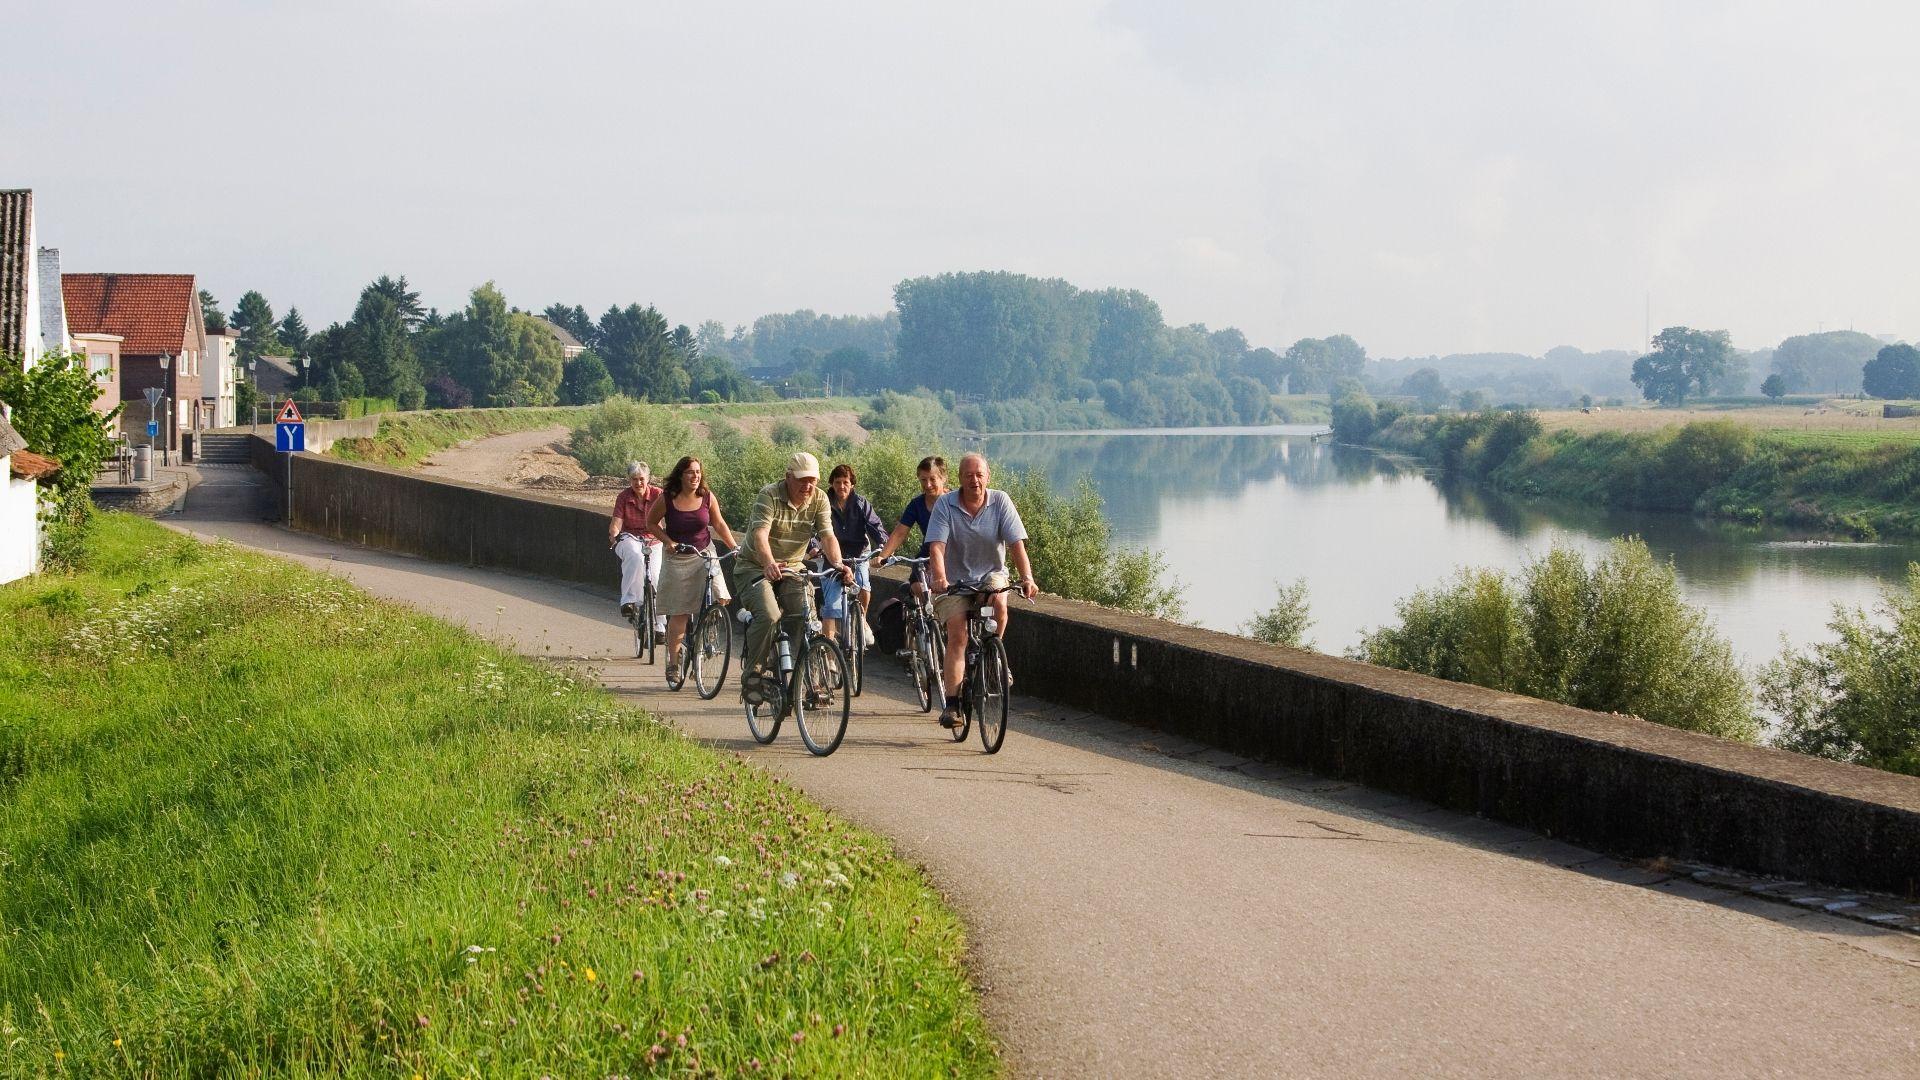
(971, 531)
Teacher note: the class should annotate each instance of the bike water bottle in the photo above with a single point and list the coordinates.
(786, 657)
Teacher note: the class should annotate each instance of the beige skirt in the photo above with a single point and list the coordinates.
(683, 581)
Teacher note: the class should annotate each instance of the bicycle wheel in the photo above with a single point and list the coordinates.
(925, 674)
(643, 626)
(821, 701)
(710, 651)
(856, 634)
(763, 720)
(990, 692)
(967, 700)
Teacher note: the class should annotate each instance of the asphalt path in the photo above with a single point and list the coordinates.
(1141, 906)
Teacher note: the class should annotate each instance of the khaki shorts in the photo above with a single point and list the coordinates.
(952, 604)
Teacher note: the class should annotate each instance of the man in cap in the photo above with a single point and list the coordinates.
(786, 515)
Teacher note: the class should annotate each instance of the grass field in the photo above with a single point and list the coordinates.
(254, 822)
(1856, 420)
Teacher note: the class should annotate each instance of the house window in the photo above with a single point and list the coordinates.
(100, 363)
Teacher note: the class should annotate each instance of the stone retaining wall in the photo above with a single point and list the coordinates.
(1613, 783)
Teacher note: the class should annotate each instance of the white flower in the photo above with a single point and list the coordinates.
(722, 860)
(789, 879)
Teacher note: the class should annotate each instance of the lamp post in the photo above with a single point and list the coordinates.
(166, 425)
(253, 419)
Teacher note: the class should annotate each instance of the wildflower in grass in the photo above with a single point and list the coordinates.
(722, 861)
(590, 976)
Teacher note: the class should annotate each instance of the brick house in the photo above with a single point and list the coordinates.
(157, 318)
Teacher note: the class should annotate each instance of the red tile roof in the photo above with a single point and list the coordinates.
(28, 465)
(152, 311)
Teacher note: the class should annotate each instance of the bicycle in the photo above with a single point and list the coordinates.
(709, 637)
(986, 680)
(926, 645)
(808, 687)
(644, 639)
(853, 630)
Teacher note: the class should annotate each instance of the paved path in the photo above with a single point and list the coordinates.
(1139, 907)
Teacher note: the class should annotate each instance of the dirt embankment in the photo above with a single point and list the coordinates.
(540, 461)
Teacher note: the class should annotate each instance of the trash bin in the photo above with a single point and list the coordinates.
(142, 464)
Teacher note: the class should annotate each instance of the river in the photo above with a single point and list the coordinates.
(1234, 510)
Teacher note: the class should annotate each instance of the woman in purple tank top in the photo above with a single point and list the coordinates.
(687, 514)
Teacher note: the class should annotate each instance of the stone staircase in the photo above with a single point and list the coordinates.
(211, 448)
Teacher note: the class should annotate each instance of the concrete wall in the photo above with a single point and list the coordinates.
(1613, 783)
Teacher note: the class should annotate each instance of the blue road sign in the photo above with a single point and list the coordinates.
(290, 438)
(153, 428)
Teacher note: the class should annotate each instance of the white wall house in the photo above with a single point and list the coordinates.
(222, 380)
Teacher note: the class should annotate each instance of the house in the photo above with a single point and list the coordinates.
(276, 377)
(222, 377)
(157, 318)
(570, 346)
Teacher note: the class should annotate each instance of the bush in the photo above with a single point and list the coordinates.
(620, 430)
(1070, 544)
(1852, 698)
(1616, 637)
(1286, 622)
(412, 398)
(786, 433)
(445, 392)
(1354, 416)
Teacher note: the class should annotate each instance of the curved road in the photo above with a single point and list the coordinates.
(1144, 907)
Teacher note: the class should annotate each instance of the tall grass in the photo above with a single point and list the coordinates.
(407, 439)
(253, 822)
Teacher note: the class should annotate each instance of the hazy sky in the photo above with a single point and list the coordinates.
(1428, 177)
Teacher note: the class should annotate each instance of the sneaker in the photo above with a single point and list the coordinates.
(948, 720)
(626, 611)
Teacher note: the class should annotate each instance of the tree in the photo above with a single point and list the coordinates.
(1354, 416)
(640, 353)
(1682, 359)
(211, 314)
(293, 332)
(378, 347)
(1427, 387)
(585, 380)
(1774, 386)
(52, 404)
(405, 301)
(1893, 373)
(259, 332)
(1851, 698)
(1829, 362)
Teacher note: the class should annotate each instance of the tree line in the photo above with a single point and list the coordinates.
(486, 353)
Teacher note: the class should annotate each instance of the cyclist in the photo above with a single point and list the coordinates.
(858, 528)
(627, 536)
(933, 484)
(688, 515)
(968, 538)
(786, 514)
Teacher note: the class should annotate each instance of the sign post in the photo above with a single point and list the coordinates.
(289, 438)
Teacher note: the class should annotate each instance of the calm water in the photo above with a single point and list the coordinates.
(1236, 509)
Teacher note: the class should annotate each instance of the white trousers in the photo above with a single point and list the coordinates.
(631, 566)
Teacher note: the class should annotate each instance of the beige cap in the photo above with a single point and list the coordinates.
(802, 465)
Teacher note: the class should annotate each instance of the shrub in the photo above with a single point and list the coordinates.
(1070, 544)
(620, 430)
(789, 434)
(1354, 418)
(1286, 622)
(444, 392)
(1616, 637)
(1852, 698)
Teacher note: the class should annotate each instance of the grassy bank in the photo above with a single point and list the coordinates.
(1853, 483)
(254, 822)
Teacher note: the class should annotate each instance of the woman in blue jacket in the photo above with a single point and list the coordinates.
(858, 529)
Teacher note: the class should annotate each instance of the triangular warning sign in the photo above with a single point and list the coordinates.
(289, 414)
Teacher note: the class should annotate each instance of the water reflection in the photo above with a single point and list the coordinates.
(1236, 509)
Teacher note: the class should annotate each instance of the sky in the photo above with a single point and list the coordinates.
(1428, 177)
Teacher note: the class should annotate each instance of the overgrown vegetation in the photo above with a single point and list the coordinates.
(1853, 698)
(1614, 636)
(1286, 622)
(1855, 484)
(254, 822)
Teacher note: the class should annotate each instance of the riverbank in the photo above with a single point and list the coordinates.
(1851, 483)
(256, 821)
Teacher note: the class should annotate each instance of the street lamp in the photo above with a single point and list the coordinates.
(166, 448)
